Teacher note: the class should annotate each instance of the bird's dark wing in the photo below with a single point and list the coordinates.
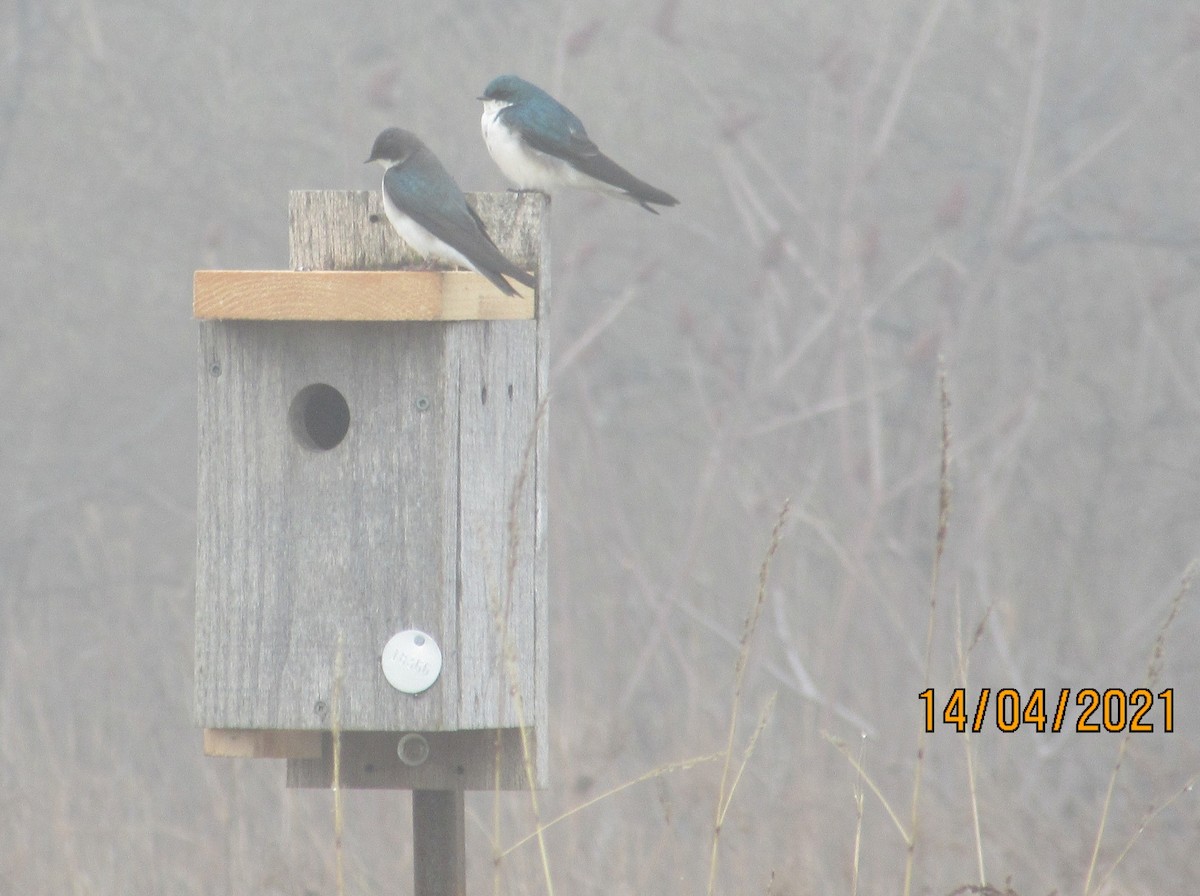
(552, 129)
(557, 132)
(602, 168)
(431, 198)
(511, 269)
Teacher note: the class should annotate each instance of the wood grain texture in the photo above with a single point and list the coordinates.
(301, 547)
(538, 238)
(335, 230)
(355, 295)
(430, 513)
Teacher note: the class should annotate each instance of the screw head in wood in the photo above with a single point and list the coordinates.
(413, 749)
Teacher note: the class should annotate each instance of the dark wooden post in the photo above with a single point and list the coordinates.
(439, 843)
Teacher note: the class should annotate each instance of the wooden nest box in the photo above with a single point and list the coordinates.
(372, 464)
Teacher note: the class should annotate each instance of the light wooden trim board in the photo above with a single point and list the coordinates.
(355, 295)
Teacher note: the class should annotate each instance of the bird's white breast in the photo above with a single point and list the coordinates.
(529, 168)
(525, 167)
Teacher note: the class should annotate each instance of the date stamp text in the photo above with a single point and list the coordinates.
(1087, 709)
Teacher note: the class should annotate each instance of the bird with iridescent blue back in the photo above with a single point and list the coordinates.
(429, 212)
(539, 144)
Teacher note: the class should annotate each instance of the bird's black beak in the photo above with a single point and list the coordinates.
(481, 99)
(369, 161)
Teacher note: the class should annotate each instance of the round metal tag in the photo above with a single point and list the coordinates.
(412, 661)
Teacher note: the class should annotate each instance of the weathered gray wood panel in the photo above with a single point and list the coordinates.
(336, 230)
(411, 521)
(300, 546)
(498, 412)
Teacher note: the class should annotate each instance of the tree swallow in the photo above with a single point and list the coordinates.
(430, 213)
(539, 144)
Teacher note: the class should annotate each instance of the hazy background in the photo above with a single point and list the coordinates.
(865, 185)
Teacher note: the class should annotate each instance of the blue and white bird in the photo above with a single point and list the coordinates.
(539, 144)
(430, 213)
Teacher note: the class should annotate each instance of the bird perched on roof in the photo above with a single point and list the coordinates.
(429, 211)
(539, 144)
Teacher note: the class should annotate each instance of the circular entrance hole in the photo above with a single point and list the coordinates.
(319, 416)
